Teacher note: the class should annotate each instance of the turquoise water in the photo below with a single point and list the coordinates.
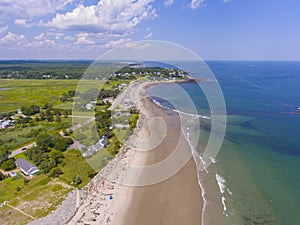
(259, 161)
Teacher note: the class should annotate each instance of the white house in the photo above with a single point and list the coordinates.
(26, 167)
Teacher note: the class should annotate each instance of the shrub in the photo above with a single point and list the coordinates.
(8, 164)
(77, 180)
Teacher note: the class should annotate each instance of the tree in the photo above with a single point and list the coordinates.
(2, 177)
(71, 93)
(48, 105)
(56, 172)
(4, 155)
(25, 180)
(60, 144)
(8, 164)
(64, 97)
(45, 140)
(57, 156)
(35, 109)
(27, 119)
(57, 112)
(50, 118)
(77, 180)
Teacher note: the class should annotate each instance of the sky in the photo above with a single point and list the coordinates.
(213, 29)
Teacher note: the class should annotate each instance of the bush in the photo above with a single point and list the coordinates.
(25, 180)
(56, 172)
(60, 144)
(2, 177)
(77, 180)
(8, 164)
(45, 140)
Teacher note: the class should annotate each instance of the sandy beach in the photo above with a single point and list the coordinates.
(176, 200)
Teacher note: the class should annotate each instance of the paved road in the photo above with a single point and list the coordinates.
(21, 150)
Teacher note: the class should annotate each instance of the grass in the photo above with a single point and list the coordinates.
(20, 136)
(10, 185)
(75, 164)
(38, 193)
(14, 138)
(19, 93)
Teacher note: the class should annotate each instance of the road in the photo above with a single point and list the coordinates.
(21, 150)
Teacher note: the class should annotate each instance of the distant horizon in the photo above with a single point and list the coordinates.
(206, 60)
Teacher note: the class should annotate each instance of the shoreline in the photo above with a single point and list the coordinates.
(136, 211)
(177, 200)
(179, 193)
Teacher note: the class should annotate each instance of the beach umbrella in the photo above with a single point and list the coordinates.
(111, 197)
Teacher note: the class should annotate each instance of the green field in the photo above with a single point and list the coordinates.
(17, 93)
(34, 192)
(40, 192)
(75, 164)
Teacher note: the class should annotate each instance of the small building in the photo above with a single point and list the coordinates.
(108, 100)
(13, 174)
(26, 167)
(6, 123)
(96, 147)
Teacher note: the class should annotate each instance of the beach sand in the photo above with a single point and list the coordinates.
(174, 201)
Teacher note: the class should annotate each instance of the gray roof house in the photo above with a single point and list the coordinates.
(26, 167)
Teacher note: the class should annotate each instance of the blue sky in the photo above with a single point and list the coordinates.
(213, 29)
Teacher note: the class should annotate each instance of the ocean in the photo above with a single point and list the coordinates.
(255, 178)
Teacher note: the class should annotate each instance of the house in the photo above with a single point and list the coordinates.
(90, 105)
(26, 167)
(121, 86)
(6, 123)
(108, 100)
(96, 147)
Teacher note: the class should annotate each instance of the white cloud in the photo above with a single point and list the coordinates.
(149, 35)
(107, 15)
(196, 4)
(69, 38)
(116, 43)
(226, 1)
(168, 2)
(22, 23)
(3, 29)
(12, 38)
(41, 43)
(39, 37)
(28, 9)
(58, 36)
(82, 39)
